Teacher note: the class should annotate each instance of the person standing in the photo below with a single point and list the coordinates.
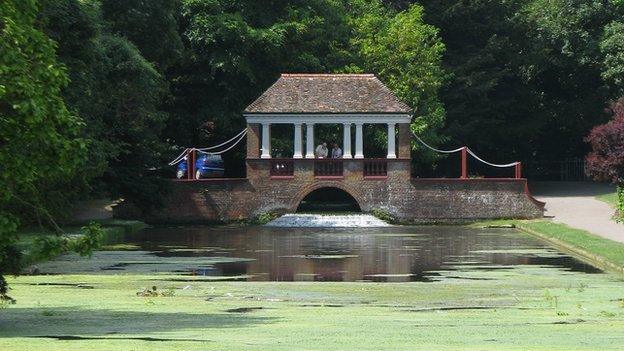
(321, 150)
(336, 151)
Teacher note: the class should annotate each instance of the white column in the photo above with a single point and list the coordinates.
(266, 140)
(391, 141)
(297, 149)
(309, 140)
(346, 141)
(359, 147)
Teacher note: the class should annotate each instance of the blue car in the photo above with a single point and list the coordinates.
(206, 166)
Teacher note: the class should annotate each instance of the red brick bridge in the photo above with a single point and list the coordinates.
(279, 184)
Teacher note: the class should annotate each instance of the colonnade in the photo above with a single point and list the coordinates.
(346, 141)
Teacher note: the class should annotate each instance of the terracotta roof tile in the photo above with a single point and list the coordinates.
(328, 93)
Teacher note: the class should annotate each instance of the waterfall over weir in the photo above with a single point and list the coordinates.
(327, 221)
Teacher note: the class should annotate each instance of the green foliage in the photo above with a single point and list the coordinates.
(265, 217)
(238, 48)
(525, 76)
(620, 201)
(383, 215)
(50, 246)
(39, 137)
(90, 240)
(406, 54)
(612, 47)
(118, 93)
(150, 25)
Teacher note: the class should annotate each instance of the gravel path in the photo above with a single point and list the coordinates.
(574, 204)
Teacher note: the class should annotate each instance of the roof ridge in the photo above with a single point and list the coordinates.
(333, 75)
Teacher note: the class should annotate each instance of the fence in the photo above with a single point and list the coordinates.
(328, 168)
(567, 170)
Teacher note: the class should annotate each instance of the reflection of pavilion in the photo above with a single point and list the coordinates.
(333, 257)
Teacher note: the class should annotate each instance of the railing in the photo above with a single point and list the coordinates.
(328, 167)
(282, 168)
(376, 168)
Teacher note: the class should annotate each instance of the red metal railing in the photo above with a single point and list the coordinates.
(282, 168)
(464, 166)
(376, 168)
(328, 167)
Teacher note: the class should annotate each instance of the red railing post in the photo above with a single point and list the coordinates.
(464, 163)
(191, 167)
(518, 169)
(188, 164)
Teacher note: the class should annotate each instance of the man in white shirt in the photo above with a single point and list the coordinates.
(336, 151)
(321, 150)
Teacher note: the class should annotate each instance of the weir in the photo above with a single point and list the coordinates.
(303, 220)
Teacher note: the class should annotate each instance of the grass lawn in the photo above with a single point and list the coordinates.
(610, 250)
(585, 244)
(611, 199)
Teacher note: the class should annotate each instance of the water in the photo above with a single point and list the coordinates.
(391, 254)
(301, 220)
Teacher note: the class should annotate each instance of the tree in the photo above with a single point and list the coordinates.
(151, 25)
(606, 160)
(564, 70)
(406, 54)
(119, 94)
(524, 76)
(237, 49)
(612, 47)
(40, 140)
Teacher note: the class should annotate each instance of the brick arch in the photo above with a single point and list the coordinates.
(326, 184)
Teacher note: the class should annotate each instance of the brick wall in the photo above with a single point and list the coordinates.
(410, 199)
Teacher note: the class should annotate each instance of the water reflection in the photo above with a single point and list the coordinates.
(395, 254)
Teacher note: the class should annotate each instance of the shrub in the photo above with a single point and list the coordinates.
(620, 201)
(606, 160)
(383, 215)
(265, 217)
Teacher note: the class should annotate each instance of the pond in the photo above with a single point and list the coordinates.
(390, 254)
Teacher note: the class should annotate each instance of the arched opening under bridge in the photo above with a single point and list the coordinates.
(328, 199)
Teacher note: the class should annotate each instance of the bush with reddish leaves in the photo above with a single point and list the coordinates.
(606, 160)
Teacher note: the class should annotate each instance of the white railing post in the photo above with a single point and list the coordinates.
(391, 141)
(297, 149)
(359, 145)
(309, 140)
(346, 141)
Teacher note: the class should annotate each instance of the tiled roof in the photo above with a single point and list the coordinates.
(328, 93)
